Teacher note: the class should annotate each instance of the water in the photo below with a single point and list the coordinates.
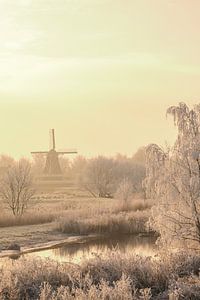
(76, 253)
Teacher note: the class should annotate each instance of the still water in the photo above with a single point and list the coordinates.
(76, 253)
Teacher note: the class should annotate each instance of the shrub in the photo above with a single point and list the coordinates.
(113, 276)
(104, 223)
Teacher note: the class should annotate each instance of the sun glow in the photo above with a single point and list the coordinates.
(102, 68)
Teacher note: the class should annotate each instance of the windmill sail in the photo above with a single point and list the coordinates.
(52, 141)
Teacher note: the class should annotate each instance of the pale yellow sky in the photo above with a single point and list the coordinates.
(101, 72)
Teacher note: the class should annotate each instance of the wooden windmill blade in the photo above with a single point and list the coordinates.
(67, 151)
(52, 140)
(39, 152)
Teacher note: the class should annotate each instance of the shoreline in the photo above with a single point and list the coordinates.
(49, 245)
(70, 240)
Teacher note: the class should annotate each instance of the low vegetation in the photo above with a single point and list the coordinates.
(45, 208)
(113, 276)
(82, 222)
(64, 209)
(30, 218)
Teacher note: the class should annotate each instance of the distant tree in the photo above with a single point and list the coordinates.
(99, 177)
(78, 167)
(140, 156)
(125, 190)
(38, 163)
(132, 171)
(173, 179)
(6, 162)
(16, 188)
(155, 157)
(103, 176)
(65, 165)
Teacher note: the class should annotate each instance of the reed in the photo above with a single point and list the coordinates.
(84, 222)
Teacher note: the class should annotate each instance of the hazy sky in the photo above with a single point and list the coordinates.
(101, 72)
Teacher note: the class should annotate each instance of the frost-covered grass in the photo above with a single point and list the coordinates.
(32, 217)
(114, 216)
(44, 208)
(50, 207)
(111, 277)
(102, 222)
(72, 216)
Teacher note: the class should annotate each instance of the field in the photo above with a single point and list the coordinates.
(57, 215)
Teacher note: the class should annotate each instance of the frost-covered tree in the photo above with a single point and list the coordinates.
(38, 164)
(155, 160)
(103, 176)
(133, 171)
(99, 177)
(16, 188)
(125, 190)
(173, 179)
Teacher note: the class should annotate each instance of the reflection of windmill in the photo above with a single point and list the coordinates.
(52, 166)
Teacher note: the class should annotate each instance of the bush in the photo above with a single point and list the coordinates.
(114, 276)
(105, 223)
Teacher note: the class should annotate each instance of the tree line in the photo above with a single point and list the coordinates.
(103, 177)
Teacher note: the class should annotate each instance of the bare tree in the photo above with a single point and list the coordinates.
(16, 188)
(38, 164)
(140, 156)
(133, 171)
(173, 178)
(125, 190)
(99, 177)
(65, 165)
(5, 163)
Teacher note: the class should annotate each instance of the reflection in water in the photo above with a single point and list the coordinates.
(78, 252)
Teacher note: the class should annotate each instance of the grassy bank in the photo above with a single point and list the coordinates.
(113, 217)
(44, 208)
(51, 219)
(30, 218)
(48, 208)
(82, 222)
(114, 276)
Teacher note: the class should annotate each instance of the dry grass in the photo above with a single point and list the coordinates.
(30, 218)
(44, 209)
(48, 208)
(111, 277)
(113, 216)
(101, 222)
(133, 205)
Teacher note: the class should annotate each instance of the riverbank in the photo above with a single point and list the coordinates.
(30, 235)
(79, 216)
(122, 222)
(70, 240)
(45, 237)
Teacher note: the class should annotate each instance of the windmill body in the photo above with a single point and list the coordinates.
(52, 166)
(52, 170)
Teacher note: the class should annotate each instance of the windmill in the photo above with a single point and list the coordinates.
(52, 165)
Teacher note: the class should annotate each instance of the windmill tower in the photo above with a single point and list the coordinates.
(52, 166)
